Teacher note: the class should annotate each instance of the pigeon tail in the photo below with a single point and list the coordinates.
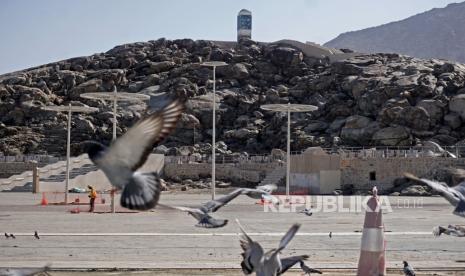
(460, 209)
(142, 192)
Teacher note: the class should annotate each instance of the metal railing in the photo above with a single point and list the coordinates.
(221, 159)
(397, 151)
(343, 152)
(27, 158)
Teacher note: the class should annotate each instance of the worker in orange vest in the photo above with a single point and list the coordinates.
(92, 196)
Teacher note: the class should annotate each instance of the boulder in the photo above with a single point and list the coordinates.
(92, 85)
(453, 120)
(285, 56)
(415, 190)
(416, 118)
(358, 130)
(457, 105)
(392, 136)
(238, 71)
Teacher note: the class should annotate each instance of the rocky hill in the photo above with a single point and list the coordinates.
(437, 33)
(379, 99)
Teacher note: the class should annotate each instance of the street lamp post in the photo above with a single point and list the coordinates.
(69, 108)
(115, 97)
(214, 64)
(288, 108)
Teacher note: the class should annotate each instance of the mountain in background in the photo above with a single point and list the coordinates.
(438, 33)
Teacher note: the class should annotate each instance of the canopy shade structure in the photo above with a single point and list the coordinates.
(115, 97)
(288, 108)
(70, 109)
(213, 64)
(109, 96)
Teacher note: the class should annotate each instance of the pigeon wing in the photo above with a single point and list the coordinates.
(131, 150)
(288, 236)
(437, 186)
(460, 209)
(269, 188)
(252, 252)
(214, 205)
(289, 262)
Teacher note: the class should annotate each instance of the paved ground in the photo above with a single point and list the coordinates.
(166, 239)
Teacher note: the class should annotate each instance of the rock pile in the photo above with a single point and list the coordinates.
(377, 99)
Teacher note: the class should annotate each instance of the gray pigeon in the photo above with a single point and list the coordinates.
(263, 192)
(129, 152)
(408, 269)
(455, 195)
(201, 214)
(23, 271)
(308, 270)
(307, 211)
(450, 230)
(264, 264)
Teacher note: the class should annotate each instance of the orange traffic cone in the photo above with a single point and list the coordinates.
(44, 201)
(372, 254)
(75, 210)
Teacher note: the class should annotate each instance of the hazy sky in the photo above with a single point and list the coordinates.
(35, 32)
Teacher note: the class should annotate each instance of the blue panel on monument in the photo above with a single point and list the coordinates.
(244, 22)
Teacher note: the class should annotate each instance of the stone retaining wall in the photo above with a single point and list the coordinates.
(363, 173)
(249, 172)
(8, 169)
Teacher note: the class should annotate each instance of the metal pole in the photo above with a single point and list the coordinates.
(68, 150)
(288, 158)
(113, 209)
(213, 133)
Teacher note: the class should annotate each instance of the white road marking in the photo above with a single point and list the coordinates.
(270, 234)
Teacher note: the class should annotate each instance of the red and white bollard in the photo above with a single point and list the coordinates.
(372, 253)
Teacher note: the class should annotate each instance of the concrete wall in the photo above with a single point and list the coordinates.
(314, 160)
(8, 169)
(356, 171)
(250, 172)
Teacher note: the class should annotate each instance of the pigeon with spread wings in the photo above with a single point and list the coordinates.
(455, 195)
(254, 259)
(201, 214)
(120, 161)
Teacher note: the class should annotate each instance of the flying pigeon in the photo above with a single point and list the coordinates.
(408, 269)
(450, 230)
(308, 270)
(269, 188)
(307, 211)
(263, 192)
(7, 236)
(330, 235)
(12, 236)
(36, 235)
(264, 264)
(129, 152)
(23, 271)
(201, 214)
(455, 195)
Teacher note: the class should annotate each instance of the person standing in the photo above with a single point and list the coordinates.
(92, 196)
